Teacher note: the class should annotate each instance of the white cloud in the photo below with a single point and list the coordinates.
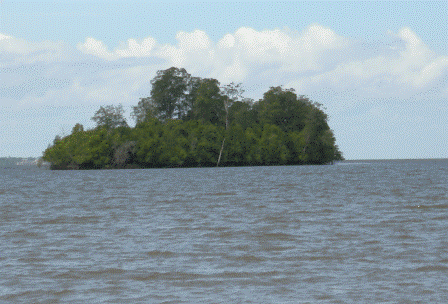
(234, 53)
(14, 51)
(312, 61)
(4, 36)
(132, 48)
(433, 70)
(402, 72)
(111, 86)
(95, 47)
(135, 49)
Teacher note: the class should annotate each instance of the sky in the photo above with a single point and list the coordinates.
(380, 68)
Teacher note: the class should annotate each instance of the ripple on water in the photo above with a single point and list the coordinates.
(430, 268)
(366, 233)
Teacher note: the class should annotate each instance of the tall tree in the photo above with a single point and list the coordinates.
(284, 109)
(209, 103)
(231, 92)
(209, 106)
(169, 91)
(110, 117)
(242, 113)
(192, 92)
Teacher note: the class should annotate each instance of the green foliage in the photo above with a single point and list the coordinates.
(209, 103)
(231, 93)
(273, 148)
(242, 113)
(110, 117)
(236, 146)
(208, 144)
(253, 155)
(148, 143)
(282, 108)
(189, 122)
(168, 93)
(77, 128)
(173, 145)
(296, 144)
(144, 110)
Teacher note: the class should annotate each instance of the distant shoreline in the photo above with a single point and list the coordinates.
(22, 162)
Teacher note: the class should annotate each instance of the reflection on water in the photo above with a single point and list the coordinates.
(370, 231)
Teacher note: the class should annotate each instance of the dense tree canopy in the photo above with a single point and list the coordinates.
(168, 93)
(284, 109)
(110, 117)
(188, 122)
(208, 104)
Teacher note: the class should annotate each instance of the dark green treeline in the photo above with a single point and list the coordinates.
(190, 122)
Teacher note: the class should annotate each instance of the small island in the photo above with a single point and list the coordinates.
(194, 122)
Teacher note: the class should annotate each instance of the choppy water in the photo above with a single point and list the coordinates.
(364, 232)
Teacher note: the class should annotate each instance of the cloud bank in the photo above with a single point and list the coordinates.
(314, 60)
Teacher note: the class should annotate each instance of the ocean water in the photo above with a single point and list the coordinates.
(353, 232)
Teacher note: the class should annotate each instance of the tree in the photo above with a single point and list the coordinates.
(147, 135)
(254, 153)
(110, 117)
(242, 113)
(272, 145)
(283, 108)
(318, 137)
(231, 92)
(56, 139)
(209, 106)
(173, 144)
(77, 128)
(207, 148)
(215, 125)
(209, 103)
(236, 146)
(212, 103)
(124, 154)
(144, 110)
(169, 91)
(192, 87)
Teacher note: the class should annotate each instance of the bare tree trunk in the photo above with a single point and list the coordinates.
(220, 152)
(226, 107)
(227, 125)
(307, 142)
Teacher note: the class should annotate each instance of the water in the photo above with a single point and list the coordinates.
(364, 232)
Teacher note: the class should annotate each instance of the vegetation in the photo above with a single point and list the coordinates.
(190, 122)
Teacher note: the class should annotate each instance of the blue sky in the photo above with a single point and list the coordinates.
(380, 68)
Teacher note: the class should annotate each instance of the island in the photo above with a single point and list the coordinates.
(195, 122)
